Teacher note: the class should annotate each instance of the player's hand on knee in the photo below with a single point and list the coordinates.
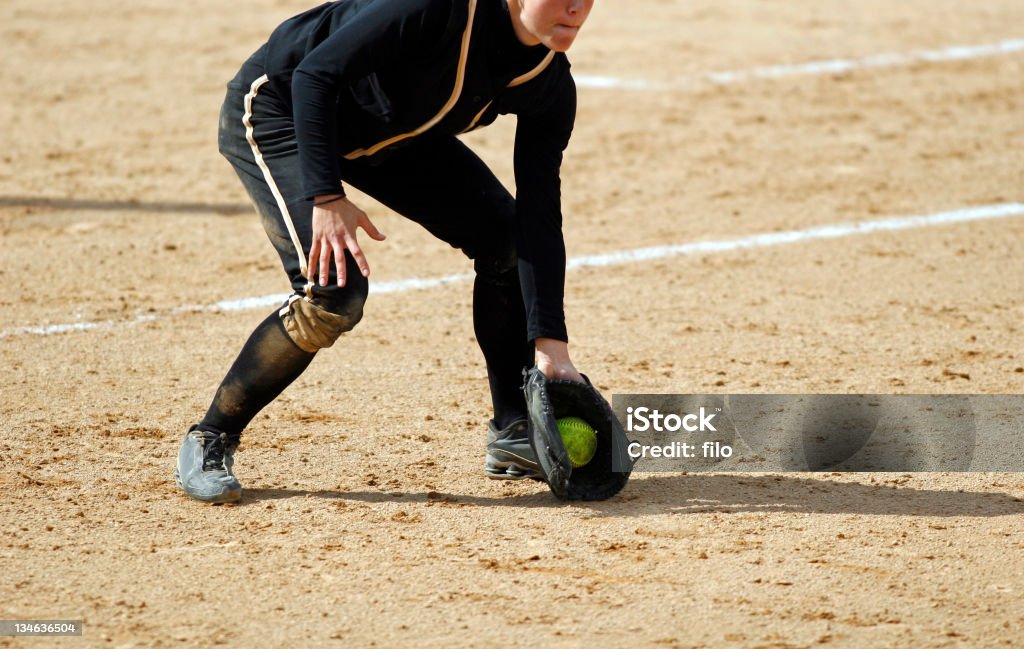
(334, 231)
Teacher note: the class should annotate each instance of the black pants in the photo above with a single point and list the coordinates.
(435, 181)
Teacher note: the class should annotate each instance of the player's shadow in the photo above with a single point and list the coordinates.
(657, 494)
(872, 495)
(86, 204)
(538, 499)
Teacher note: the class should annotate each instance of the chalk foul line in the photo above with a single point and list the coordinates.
(827, 66)
(622, 257)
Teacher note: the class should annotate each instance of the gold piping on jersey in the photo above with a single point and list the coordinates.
(281, 204)
(460, 77)
(472, 125)
(520, 80)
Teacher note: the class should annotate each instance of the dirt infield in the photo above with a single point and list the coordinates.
(366, 519)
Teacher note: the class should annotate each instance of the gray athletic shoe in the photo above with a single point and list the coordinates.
(509, 455)
(204, 467)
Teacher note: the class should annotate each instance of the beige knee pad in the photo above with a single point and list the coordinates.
(313, 327)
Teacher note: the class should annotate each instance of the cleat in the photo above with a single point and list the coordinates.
(204, 466)
(509, 454)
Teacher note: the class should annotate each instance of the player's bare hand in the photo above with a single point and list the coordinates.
(552, 358)
(334, 231)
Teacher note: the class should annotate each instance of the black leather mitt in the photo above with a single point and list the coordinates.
(548, 400)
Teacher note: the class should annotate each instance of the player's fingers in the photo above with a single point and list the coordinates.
(357, 254)
(371, 229)
(325, 265)
(340, 263)
(314, 256)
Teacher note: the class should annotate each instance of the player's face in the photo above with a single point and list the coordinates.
(554, 23)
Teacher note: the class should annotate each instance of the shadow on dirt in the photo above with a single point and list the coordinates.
(110, 206)
(658, 494)
(539, 499)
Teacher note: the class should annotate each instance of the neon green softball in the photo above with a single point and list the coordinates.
(579, 439)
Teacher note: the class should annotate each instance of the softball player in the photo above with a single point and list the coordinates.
(373, 94)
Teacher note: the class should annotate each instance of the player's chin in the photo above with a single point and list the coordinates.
(561, 38)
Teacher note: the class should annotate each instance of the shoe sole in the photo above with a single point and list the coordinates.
(231, 496)
(496, 473)
(496, 469)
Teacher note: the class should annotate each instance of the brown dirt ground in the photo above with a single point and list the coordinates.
(366, 520)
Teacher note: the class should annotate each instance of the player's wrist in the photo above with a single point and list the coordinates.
(552, 359)
(552, 348)
(327, 199)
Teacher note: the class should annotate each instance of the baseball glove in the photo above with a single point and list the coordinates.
(548, 400)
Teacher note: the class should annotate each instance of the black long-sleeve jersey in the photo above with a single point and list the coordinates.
(364, 76)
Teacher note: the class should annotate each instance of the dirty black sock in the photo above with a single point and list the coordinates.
(267, 364)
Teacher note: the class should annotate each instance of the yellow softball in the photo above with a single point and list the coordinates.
(579, 439)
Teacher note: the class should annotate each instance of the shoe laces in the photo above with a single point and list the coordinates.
(215, 445)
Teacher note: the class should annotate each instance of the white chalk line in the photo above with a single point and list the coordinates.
(833, 231)
(828, 66)
(636, 255)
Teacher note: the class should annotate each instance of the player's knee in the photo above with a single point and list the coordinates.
(316, 324)
(499, 261)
